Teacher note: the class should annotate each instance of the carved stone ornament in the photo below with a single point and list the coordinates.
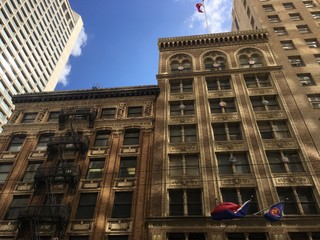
(220, 94)
(181, 96)
(183, 147)
(230, 145)
(121, 110)
(225, 117)
(270, 115)
(15, 116)
(280, 143)
(237, 180)
(263, 91)
(41, 114)
(185, 181)
(148, 109)
(185, 119)
(292, 180)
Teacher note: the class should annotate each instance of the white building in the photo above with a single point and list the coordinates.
(36, 39)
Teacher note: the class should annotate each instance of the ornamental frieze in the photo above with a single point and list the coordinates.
(263, 91)
(230, 145)
(184, 147)
(282, 180)
(185, 181)
(184, 119)
(181, 96)
(216, 94)
(237, 180)
(223, 117)
(270, 115)
(280, 143)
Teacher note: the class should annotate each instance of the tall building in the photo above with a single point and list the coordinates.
(228, 129)
(36, 39)
(294, 38)
(77, 172)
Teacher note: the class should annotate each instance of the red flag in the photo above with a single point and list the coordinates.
(198, 6)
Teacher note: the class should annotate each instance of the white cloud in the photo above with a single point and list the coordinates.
(76, 52)
(64, 75)
(218, 14)
(80, 43)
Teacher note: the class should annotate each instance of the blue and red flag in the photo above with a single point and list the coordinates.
(229, 210)
(275, 212)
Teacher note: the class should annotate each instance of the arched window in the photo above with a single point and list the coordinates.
(180, 63)
(250, 58)
(215, 61)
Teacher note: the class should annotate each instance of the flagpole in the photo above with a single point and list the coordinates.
(267, 208)
(205, 15)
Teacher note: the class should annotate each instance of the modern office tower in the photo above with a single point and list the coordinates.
(36, 39)
(229, 129)
(294, 38)
(74, 164)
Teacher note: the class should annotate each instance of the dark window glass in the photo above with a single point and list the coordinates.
(16, 143)
(102, 139)
(108, 113)
(127, 167)
(131, 137)
(134, 111)
(122, 205)
(86, 206)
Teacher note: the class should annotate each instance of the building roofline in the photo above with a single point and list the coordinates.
(93, 93)
(205, 40)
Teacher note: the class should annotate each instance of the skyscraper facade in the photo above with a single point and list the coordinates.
(35, 42)
(294, 38)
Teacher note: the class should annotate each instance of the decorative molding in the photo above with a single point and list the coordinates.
(225, 117)
(219, 94)
(243, 180)
(183, 119)
(183, 147)
(280, 143)
(181, 96)
(261, 91)
(270, 115)
(185, 182)
(292, 180)
(236, 145)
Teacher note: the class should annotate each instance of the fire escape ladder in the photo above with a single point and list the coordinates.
(77, 114)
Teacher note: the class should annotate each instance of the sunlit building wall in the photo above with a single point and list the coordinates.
(35, 42)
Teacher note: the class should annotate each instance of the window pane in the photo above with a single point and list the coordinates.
(102, 139)
(16, 143)
(176, 202)
(86, 205)
(134, 111)
(122, 205)
(95, 169)
(131, 137)
(108, 113)
(127, 167)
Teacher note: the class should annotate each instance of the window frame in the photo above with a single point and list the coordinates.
(183, 165)
(122, 204)
(86, 205)
(183, 133)
(185, 202)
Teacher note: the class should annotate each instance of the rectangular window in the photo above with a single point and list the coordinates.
(95, 170)
(304, 235)
(295, 16)
(288, 6)
(131, 137)
(183, 165)
(309, 4)
(257, 80)
(299, 200)
(277, 129)
(317, 57)
(102, 138)
(122, 205)
(227, 131)
(287, 45)
(5, 168)
(265, 103)
(127, 167)
(181, 86)
(118, 237)
(86, 206)
(183, 133)
(268, 8)
(108, 113)
(186, 236)
(296, 61)
(247, 236)
(303, 29)
(222, 105)
(30, 171)
(240, 196)
(185, 202)
(305, 79)
(316, 15)
(135, 111)
(314, 100)
(16, 143)
(274, 18)
(280, 31)
(284, 161)
(312, 43)
(43, 142)
(233, 163)
(18, 202)
(29, 117)
(219, 83)
(181, 108)
(77, 238)
(53, 117)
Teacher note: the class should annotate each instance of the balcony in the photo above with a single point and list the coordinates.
(78, 142)
(52, 214)
(68, 173)
(75, 115)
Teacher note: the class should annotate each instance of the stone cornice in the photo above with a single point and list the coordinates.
(94, 93)
(206, 40)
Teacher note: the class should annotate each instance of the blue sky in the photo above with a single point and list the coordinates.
(118, 45)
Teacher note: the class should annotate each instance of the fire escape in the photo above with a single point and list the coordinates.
(57, 170)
